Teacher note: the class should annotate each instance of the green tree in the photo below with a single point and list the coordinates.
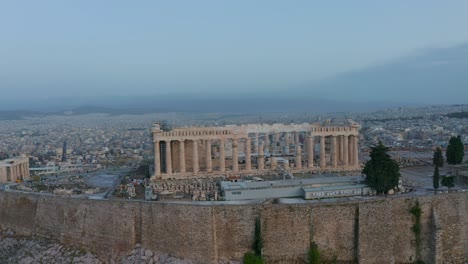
(448, 181)
(258, 243)
(251, 258)
(314, 254)
(455, 151)
(382, 172)
(438, 159)
(436, 179)
(256, 256)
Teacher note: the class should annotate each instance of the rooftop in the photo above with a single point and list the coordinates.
(311, 183)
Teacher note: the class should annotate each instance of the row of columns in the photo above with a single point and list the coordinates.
(195, 160)
(18, 171)
(342, 148)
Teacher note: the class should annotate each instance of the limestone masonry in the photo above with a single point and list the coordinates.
(371, 231)
(14, 169)
(254, 148)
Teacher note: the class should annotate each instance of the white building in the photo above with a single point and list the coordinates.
(314, 188)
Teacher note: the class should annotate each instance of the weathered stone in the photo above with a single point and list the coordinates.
(148, 253)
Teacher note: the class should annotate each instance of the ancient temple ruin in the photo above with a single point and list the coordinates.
(255, 149)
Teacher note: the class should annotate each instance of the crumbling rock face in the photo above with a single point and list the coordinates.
(32, 250)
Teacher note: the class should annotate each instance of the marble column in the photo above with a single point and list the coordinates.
(222, 156)
(182, 156)
(310, 151)
(356, 151)
(322, 152)
(261, 158)
(256, 143)
(345, 151)
(350, 151)
(168, 157)
(235, 156)
(298, 156)
(275, 143)
(209, 164)
(267, 143)
(334, 154)
(195, 164)
(274, 163)
(248, 156)
(340, 158)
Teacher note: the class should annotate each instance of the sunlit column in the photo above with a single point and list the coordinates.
(195, 156)
(341, 148)
(356, 151)
(209, 166)
(351, 150)
(182, 156)
(256, 143)
(345, 151)
(222, 156)
(261, 158)
(322, 152)
(334, 154)
(267, 143)
(298, 156)
(168, 157)
(248, 159)
(235, 156)
(310, 151)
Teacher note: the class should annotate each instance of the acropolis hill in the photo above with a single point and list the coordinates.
(255, 148)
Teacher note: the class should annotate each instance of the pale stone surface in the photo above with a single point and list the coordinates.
(338, 148)
(14, 169)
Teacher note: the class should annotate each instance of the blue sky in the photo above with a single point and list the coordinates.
(68, 48)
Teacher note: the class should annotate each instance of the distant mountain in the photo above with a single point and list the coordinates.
(436, 76)
(197, 104)
(15, 115)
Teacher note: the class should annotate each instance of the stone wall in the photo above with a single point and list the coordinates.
(374, 231)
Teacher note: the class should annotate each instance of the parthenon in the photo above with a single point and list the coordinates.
(255, 149)
(14, 169)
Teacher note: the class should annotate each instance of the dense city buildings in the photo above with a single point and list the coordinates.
(96, 141)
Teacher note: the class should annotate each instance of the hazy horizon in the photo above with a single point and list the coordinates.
(398, 52)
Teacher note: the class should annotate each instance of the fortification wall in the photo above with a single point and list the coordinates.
(374, 231)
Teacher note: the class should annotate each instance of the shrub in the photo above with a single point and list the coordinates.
(314, 254)
(251, 258)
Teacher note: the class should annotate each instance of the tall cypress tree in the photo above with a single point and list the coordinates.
(450, 151)
(382, 172)
(258, 243)
(438, 158)
(455, 151)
